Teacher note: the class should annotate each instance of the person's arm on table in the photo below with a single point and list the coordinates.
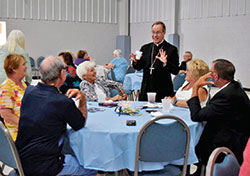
(180, 103)
(82, 101)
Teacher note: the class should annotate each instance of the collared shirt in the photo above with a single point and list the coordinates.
(221, 88)
(44, 115)
(10, 98)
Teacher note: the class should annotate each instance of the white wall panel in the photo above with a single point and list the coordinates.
(94, 11)
(242, 7)
(143, 11)
(195, 9)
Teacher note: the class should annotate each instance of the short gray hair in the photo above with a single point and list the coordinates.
(82, 69)
(117, 52)
(50, 69)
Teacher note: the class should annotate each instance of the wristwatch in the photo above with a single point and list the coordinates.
(174, 103)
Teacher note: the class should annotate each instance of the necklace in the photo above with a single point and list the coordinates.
(153, 61)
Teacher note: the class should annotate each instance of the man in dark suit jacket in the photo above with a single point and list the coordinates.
(159, 59)
(227, 113)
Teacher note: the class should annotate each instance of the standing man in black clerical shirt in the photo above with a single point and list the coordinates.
(159, 59)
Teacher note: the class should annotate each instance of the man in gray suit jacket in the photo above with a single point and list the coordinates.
(226, 114)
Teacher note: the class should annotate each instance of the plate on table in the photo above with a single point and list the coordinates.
(153, 105)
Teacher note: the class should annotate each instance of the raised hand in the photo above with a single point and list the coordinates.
(203, 80)
(162, 57)
(133, 57)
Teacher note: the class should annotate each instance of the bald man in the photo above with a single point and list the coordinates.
(45, 112)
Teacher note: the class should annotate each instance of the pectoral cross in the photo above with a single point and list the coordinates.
(151, 69)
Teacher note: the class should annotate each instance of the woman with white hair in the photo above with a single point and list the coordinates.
(119, 65)
(15, 45)
(94, 87)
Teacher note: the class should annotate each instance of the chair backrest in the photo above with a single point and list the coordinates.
(163, 142)
(179, 79)
(8, 152)
(112, 74)
(32, 62)
(130, 69)
(228, 167)
(39, 61)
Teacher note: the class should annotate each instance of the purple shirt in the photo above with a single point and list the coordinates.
(79, 61)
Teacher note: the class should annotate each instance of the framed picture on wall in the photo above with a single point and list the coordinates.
(2, 32)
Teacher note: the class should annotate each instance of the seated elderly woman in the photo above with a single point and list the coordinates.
(195, 69)
(94, 87)
(82, 56)
(119, 65)
(12, 91)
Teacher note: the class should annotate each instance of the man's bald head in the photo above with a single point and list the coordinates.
(50, 69)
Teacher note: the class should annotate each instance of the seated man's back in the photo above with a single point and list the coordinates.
(42, 126)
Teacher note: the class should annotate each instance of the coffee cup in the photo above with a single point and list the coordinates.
(166, 105)
(151, 97)
(138, 55)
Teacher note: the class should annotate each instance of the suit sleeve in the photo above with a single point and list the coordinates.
(215, 109)
(173, 61)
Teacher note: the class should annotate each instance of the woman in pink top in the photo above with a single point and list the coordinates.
(245, 167)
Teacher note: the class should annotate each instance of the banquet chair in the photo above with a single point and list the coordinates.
(178, 80)
(159, 142)
(130, 69)
(8, 152)
(39, 61)
(32, 63)
(33, 67)
(112, 74)
(228, 167)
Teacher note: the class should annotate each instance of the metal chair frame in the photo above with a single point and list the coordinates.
(143, 130)
(213, 157)
(14, 152)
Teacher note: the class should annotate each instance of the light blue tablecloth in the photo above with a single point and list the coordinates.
(132, 81)
(107, 144)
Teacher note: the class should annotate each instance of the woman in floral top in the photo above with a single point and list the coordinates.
(93, 87)
(12, 91)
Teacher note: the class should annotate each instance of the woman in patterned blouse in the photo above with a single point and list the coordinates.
(94, 87)
(12, 91)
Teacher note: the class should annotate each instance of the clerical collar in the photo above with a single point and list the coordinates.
(159, 43)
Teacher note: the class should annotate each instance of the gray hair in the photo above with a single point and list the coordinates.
(117, 52)
(50, 69)
(82, 69)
